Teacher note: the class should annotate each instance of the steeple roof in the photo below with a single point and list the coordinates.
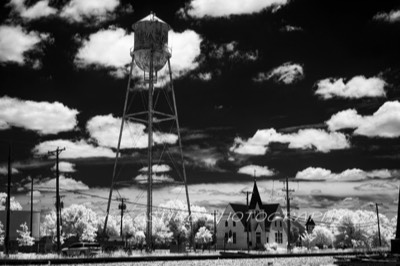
(310, 221)
(255, 197)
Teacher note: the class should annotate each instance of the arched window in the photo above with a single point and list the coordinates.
(278, 237)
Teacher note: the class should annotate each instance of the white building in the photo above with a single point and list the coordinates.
(264, 221)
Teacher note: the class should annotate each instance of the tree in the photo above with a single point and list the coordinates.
(349, 232)
(25, 238)
(80, 221)
(128, 228)
(48, 226)
(175, 215)
(308, 240)
(112, 226)
(14, 205)
(322, 237)
(203, 236)
(161, 234)
(139, 239)
(359, 228)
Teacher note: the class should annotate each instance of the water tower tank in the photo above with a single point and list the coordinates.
(151, 34)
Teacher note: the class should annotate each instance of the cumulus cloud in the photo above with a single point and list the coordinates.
(256, 170)
(157, 168)
(205, 76)
(222, 8)
(385, 122)
(73, 149)
(204, 157)
(356, 88)
(42, 117)
(36, 194)
(391, 17)
(316, 173)
(290, 28)
(15, 41)
(231, 52)
(105, 130)
(157, 179)
(4, 170)
(65, 184)
(74, 10)
(185, 48)
(377, 186)
(78, 10)
(38, 10)
(65, 167)
(288, 73)
(114, 46)
(317, 139)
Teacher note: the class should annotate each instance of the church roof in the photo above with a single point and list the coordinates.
(255, 197)
(240, 208)
(270, 209)
(267, 208)
(310, 221)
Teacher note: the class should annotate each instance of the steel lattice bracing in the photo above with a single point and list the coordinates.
(145, 104)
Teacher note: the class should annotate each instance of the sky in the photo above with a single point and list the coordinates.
(272, 89)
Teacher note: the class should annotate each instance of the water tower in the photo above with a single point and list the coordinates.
(150, 54)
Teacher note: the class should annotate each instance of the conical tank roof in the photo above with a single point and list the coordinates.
(151, 18)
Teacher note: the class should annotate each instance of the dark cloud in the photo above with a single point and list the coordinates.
(217, 99)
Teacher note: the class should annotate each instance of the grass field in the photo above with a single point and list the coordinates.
(309, 261)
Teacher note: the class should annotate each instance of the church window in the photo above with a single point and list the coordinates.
(278, 237)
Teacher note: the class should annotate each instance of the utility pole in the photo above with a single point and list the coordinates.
(215, 229)
(61, 207)
(379, 227)
(248, 218)
(57, 153)
(287, 190)
(60, 210)
(122, 207)
(31, 205)
(7, 237)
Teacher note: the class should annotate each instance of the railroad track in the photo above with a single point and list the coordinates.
(240, 255)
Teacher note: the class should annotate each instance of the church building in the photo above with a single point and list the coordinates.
(260, 223)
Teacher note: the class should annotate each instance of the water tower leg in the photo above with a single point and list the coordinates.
(395, 243)
(119, 143)
(149, 241)
(182, 159)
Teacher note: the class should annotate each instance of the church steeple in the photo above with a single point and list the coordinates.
(255, 196)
